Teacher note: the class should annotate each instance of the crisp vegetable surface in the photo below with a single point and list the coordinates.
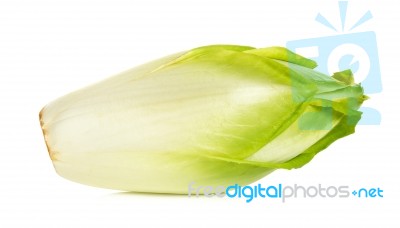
(214, 115)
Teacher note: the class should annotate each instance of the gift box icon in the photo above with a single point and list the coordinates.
(355, 51)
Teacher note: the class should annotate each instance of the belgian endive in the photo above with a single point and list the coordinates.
(214, 115)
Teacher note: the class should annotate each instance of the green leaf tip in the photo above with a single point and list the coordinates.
(345, 76)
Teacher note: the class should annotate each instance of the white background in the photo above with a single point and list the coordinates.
(49, 48)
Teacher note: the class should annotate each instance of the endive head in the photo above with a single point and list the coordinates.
(215, 115)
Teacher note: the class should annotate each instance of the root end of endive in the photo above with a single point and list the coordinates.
(52, 154)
